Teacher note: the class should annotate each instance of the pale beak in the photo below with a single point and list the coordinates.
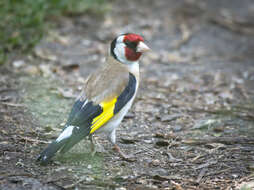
(142, 47)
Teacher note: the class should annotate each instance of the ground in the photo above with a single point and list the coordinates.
(192, 123)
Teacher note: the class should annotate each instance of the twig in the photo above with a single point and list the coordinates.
(98, 183)
(232, 112)
(246, 178)
(12, 175)
(217, 172)
(177, 185)
(12, 104)
(74, 184)
(222, 140)
(7, 89)
(197, 157)
(201, 174)
(233, 25)
(186, 36)
(32, 140)
(206, 165)
(5, 98)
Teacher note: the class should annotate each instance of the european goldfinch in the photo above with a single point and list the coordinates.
(106, 97)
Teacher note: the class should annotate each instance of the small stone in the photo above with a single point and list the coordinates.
(170, 117)
(18, 63)
(165, 184)
(155, 162)
(177, 128)
(205, 123)
(153, 56)
(251, 167)
(148, 141)
(45, 70)
(89, 178)
(32, 70)
(120, 188)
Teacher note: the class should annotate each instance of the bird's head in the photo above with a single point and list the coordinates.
(127, 48)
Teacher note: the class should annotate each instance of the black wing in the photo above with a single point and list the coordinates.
(127, 94)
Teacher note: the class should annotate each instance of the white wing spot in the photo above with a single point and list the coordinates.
(65, 134)
(84, 104)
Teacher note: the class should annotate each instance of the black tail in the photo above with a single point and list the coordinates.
(67, 139)
(74, 139)
(50, 151)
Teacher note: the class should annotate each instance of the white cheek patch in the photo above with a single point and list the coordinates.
(65, 134)
(120, 52)
(120, 39)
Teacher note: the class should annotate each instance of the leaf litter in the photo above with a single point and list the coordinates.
(191, 126)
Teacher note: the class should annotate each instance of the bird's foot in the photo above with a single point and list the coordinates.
(96, 147)
(128, 158)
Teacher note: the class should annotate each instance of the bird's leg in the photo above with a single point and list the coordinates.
(93, 146)
(112, 139)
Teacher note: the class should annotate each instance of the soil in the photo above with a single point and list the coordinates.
(192, 123)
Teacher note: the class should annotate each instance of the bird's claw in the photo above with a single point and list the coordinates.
(128, 158)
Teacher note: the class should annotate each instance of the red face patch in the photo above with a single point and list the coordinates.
(130, 53)
(133, 38)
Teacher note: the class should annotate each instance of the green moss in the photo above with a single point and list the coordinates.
(24, 22)
(44, 102)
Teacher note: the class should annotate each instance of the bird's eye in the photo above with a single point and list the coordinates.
(132, 45)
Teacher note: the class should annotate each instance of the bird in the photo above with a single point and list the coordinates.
(106, 97)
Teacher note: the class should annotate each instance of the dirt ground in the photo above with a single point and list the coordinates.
(192, 123)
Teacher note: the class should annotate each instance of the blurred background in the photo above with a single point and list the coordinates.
(192, 123)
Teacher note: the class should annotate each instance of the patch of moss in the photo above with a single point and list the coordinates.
(24, 22)
(44, 102)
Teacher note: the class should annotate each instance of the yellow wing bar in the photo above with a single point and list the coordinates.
(105, 116)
